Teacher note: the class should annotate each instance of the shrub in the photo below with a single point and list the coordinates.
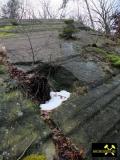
(68, 30)
(69, 21)
(35, 157)
(14, 22)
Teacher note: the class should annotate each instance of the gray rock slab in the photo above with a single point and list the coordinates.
(88, 119)
(20, 124)
(67, 49)
(86, 72)
(46, 46)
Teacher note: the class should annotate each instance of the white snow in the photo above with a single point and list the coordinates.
(56, 100)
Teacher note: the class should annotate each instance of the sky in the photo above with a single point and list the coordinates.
(54, 3)
(71, 9)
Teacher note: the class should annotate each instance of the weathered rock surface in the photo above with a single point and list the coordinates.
(20, 126)
(89, 73)
(90, 118)
(49, 48)
(94, 117)
(46, 44)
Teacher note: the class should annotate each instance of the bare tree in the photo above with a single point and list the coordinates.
(11, 10)
(88, 8)
(45, 10)
(103, 11)
(116, 23)
(91, 19)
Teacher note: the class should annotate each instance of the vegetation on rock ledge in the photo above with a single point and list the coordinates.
(68, 30)
(35, 157)
(112, 57)
(2, 69)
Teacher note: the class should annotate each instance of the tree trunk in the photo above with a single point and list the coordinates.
(88, 8)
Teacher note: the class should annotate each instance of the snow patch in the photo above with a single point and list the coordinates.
(56, 100)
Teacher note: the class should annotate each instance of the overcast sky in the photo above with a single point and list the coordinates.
(71, 8)
(54, 3)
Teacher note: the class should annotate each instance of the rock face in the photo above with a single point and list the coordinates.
(86, 119)
(92, 118)
(84, 70)
(67, 49)
(46, 47)
(21, 126)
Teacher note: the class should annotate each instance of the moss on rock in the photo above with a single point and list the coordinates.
(114, 59)
(35, 157)
(2, 69)
(11, 96)
(68, 30)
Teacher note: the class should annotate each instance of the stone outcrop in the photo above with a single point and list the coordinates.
(92, 118)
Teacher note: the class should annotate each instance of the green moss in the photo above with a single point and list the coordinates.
(96, 50)
(6, 31)
(17, 96)
(29, 104)
(2, 69)
(7, 28)
(5, 34)
(114, 59)
(68, 30)
(35, 157)
(20, 136)
(11, 96)
(111, 56)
